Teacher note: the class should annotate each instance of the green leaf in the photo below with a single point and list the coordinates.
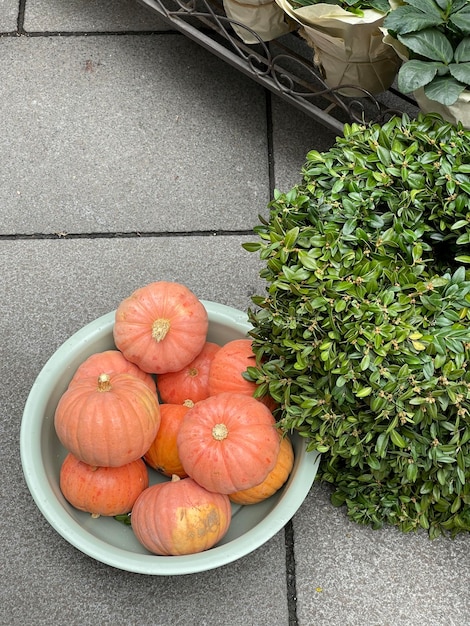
(291, 237)
(429, 43)
(308, 259)
(365, 362)
(445, 459)
(426, 6)
(383, 6)
(364, 392)
(384, 155)
(381, 445)
(461, 19)
(406, 19)
(412, 472)
(461, 72)
(337, 499)
(251, 247)
(445, 90)
(456, 505)
(397, 439)
(459, 224)
(415, 74)
(462, 51)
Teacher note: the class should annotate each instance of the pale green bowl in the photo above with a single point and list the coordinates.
(105, 539)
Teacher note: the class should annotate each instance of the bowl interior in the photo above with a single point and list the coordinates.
(105, 539)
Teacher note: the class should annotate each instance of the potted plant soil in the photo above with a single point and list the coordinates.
(347, 42)
(363, 333)
(433, 40)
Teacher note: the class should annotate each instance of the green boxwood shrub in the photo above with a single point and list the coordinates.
(363, 334)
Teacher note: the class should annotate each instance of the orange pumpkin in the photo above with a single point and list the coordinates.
(191, 382)
(111, 362)
(228, 442)
(161, 327)
(273, 481)
(108, 421)
(228, 366)
(102, 490)
(180, 517)
(163, 453)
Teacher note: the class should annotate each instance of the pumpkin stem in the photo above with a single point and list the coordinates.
(160, 328)
(220, 432)
(189, 403)
(104, 382)
(175, 478)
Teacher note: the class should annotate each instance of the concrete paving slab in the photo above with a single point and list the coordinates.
(89, 15)
(50, 288)
(352, 575)
(294, 135)
(8, 15)
(117, 133)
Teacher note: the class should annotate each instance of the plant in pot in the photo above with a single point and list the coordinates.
(363, 334)
(347, 42)
(256, 21)
(432, 37)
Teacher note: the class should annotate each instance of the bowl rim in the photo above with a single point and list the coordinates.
(47, 502)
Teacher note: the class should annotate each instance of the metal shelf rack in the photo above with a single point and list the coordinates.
(284, 65)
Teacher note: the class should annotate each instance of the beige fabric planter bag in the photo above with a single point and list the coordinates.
(264, 17)
(453, 113)
(348, 49)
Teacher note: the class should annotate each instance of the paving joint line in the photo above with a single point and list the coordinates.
(125, 235)
(291, 577)
(270, 142)
(20, 32)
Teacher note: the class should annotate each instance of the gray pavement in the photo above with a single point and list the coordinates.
(112, 127)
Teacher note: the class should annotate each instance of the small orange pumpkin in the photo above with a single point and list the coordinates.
(228, 442)
(111, 362)
(163, 453)
(191, 382)
(161, 327)
(228, 366)
(102, 490)
(108, 421)
(273, 481)
(180, 517)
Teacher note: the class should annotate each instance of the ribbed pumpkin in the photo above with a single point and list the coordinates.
(273, 481)
(161, 327)
(111, 362)
(102, 490)
(228, 442)
(163, 453)
(228, 366)
(108, 421)
(180, 517)
(191, 382)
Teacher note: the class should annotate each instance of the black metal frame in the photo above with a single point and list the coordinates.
(284, 66)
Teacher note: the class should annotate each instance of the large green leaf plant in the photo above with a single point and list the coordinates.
(357, 7)
(363, 334)
(436, 34)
